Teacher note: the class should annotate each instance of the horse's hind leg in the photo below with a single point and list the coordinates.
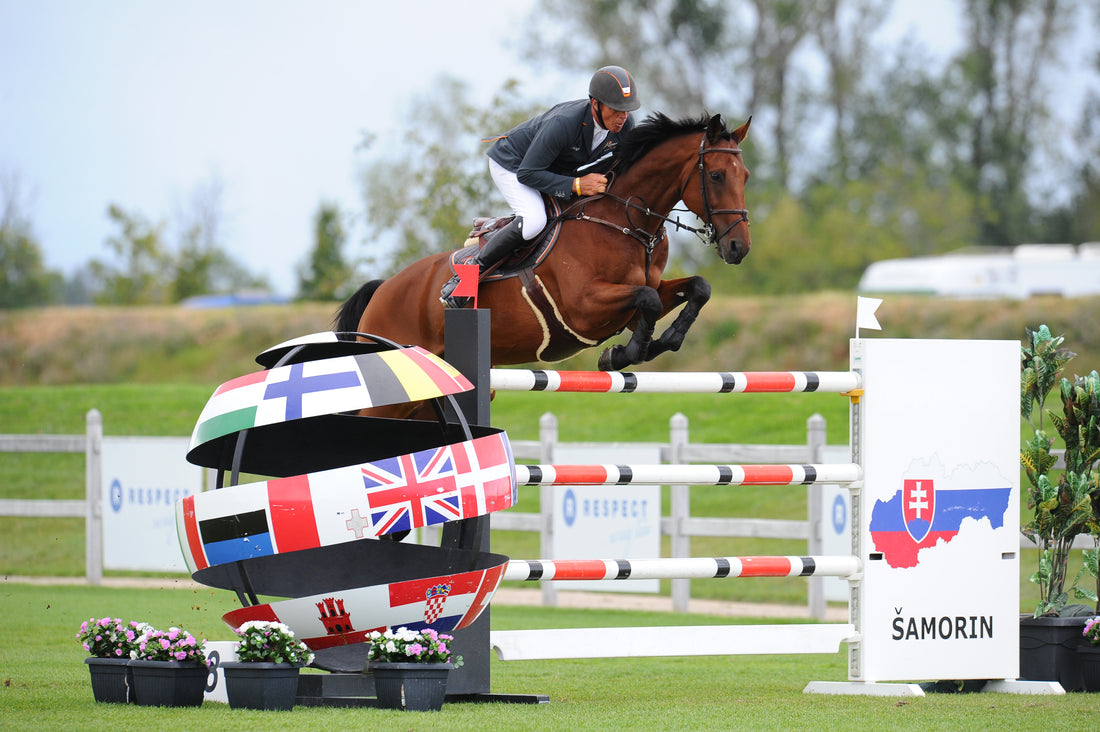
(693, 292)
(648, 304)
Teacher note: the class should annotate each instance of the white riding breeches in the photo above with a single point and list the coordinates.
(524, 200)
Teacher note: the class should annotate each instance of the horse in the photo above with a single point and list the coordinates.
(603, 274)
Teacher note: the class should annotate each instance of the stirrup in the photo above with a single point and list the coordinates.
(448, 299)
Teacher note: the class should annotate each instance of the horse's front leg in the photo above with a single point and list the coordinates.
(691, 292)
(647, 303)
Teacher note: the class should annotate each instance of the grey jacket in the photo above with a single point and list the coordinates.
(546, 151)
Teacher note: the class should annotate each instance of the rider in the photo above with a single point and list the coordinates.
(559, 152)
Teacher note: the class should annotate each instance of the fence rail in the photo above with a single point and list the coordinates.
(91, 508)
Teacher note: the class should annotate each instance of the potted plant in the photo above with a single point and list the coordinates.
(170, 668)
(1061, 503)
(1089, 651)
(265, 674)
(411, 668)
(109, 642)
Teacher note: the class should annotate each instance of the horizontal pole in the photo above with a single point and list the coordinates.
(43, 443)
(686, 474)
(689, 640)
(40, 508)
(684, 382)
(528, 570)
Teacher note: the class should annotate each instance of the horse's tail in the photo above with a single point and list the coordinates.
(348, 316)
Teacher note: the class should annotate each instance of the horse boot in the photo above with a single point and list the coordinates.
(497, 247)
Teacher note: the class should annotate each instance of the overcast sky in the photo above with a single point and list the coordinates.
(143, 102)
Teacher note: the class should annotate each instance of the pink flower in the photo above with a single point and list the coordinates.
(164, 644)
(180, 655)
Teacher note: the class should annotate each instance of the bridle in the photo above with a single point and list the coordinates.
(707, 233)
(712, 237)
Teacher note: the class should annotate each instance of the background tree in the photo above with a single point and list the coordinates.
(141, 273)
(202, 265)
(326, 275)
(1008, 47)
(424, 194)
(24, 279)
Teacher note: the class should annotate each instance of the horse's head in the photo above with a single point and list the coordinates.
(719, 196)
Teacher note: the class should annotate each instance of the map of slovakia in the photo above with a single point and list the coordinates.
(929, 509)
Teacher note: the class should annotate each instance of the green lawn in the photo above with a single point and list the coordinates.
(46, 686)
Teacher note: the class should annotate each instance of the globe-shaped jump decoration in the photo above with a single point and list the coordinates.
(335, 485)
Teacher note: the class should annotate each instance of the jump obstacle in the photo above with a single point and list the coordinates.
(933, 574)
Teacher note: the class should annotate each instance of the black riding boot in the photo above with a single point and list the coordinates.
(497, 247)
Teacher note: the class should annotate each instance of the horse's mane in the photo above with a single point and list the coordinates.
(656, 129)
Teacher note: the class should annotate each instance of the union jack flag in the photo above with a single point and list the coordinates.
(408, 491)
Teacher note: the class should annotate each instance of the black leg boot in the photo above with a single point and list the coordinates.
(497, 247)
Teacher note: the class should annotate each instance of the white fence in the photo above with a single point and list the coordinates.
(680, 525)
(91, 508)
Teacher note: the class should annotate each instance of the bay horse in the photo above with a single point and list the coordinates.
(604, 272)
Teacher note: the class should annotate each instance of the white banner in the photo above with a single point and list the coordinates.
(607, 522)
(143, 477)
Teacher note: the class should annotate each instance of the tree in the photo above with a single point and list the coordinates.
(326, 275)
(1009, 44)
(427, 191)
(24, 279)
(142, 276)
(202, 265)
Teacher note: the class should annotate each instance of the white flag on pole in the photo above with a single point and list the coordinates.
(865, 313)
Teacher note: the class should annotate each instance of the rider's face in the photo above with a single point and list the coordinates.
(612, 119)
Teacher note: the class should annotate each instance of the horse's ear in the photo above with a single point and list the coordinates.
(715, 128)
(742, 132)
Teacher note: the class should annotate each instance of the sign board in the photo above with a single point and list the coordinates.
(836, 513)
(607, 522)
(939, 431)
(143, 477)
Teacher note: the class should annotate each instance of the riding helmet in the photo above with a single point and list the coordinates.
(614, 86)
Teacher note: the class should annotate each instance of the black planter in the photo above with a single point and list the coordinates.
(169, 683)
(1048, 650)
(261, 685)
(414, 687)
(1090, 666)
(111, 679)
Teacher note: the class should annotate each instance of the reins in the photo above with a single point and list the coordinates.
(707, 233)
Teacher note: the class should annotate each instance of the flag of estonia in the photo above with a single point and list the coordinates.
(326, 386)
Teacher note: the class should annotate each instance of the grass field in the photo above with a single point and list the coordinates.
(45, 683)
(46, 687)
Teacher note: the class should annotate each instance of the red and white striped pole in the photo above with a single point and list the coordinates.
(680, 568)
(687, 474)
(686, 382)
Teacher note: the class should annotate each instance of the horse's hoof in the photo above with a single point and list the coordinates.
(604, 364)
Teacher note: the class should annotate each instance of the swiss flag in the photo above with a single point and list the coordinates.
(467, 281)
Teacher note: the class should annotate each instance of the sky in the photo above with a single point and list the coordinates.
(142, 103)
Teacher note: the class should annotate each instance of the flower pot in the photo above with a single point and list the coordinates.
(169, 683)
(414, 687)
(112, 681)
(1048, 650)
(261, 685)
(1090, 666)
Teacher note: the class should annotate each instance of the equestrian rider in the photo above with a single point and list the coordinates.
(560, 152)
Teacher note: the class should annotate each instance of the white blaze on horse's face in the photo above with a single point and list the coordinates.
(723, 175)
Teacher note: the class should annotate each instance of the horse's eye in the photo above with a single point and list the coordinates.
(716, 176)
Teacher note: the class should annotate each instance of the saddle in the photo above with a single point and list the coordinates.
(526, 258)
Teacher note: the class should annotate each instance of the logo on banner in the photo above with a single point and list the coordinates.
(929, 511)
(436, 597)
(336, 620)
(917, 508)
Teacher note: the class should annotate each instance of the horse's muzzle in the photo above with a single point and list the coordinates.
(734, 250)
